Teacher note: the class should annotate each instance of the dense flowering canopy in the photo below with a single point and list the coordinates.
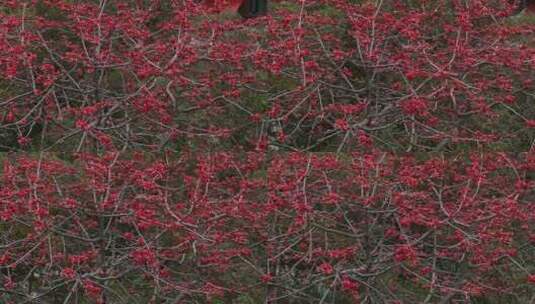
(333, 151)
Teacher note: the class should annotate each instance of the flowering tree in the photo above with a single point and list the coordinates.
(330, 152)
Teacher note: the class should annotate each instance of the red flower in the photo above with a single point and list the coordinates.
(349, 284)
(326, 268)
(414, 106)
(405, 253)
(266, 278)
(9, 284)
(10, 117)
(92, 289)
(70, 203)
(4, 259)
(82, 124)
(364, 139)
(144, 257)
(411, 75)
(23, 140)
(68, 273)
(341, 124)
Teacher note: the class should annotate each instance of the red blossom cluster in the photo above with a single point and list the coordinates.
(333, 151)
